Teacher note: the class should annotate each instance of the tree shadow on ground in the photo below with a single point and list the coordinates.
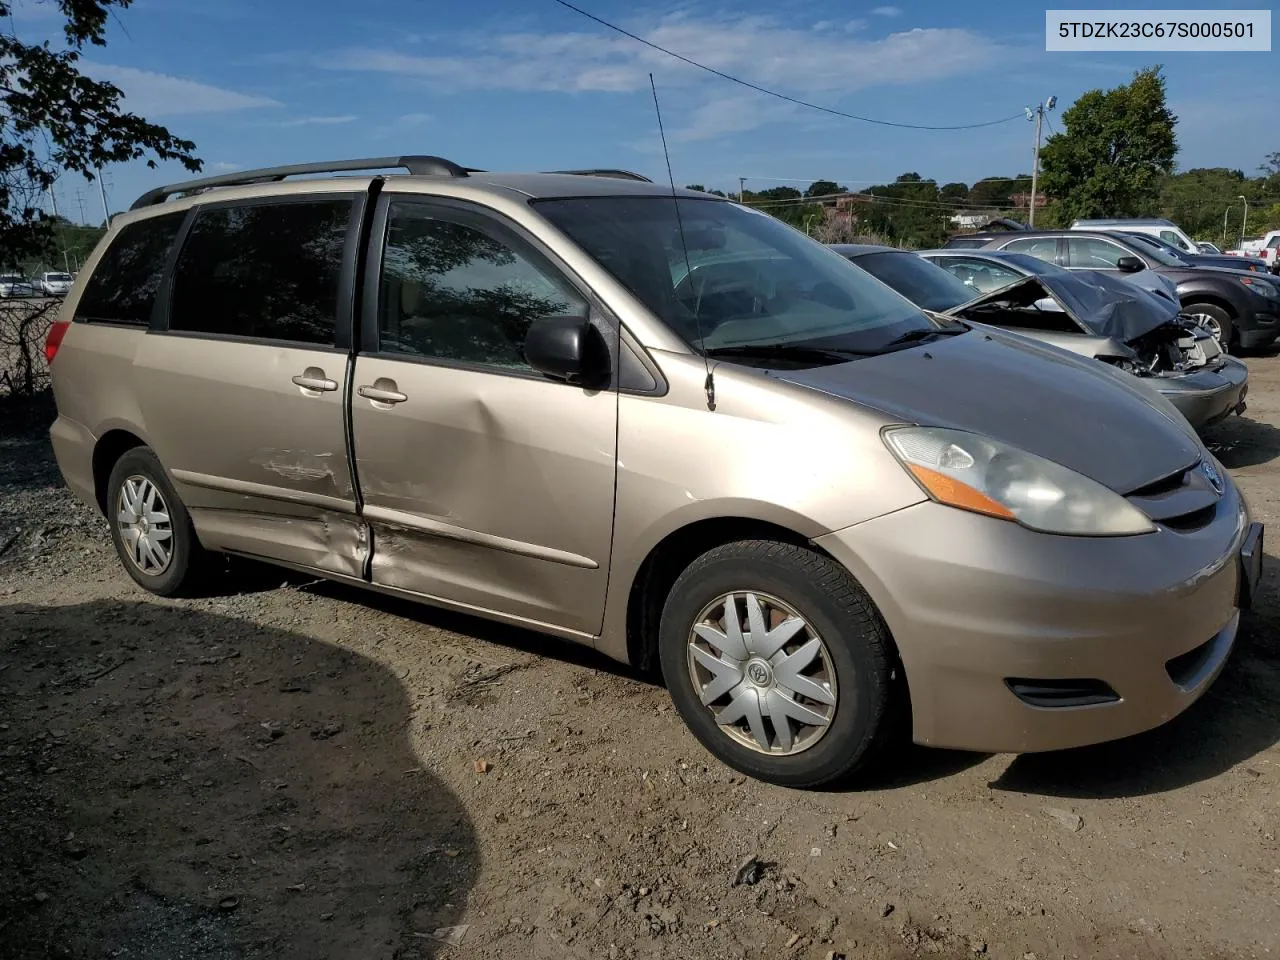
(1243, 442)
(1233, 722)
(181, 784)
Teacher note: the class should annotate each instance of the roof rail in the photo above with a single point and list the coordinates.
(617, 174)
(417, 165)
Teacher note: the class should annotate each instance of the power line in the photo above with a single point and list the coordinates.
(880, 198)
(774, 93)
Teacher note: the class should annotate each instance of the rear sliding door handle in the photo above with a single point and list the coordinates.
(381, 390)
(313, 378)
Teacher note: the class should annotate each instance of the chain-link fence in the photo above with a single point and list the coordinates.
(23, 326)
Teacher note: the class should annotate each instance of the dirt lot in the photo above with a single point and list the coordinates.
(289, 769)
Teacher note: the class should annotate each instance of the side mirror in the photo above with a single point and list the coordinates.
(1130, 265)
(568, 349)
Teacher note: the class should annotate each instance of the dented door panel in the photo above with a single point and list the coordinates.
(270, 475)
(489, 490)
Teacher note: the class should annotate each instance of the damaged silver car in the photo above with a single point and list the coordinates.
(1086, 312)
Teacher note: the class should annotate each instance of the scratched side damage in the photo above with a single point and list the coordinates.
(328, 541)
(300, 466)
(437, 566)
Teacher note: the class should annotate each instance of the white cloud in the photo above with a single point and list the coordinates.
(887, 12)
(319, 121)
(761, 49)
(155, 95)
(414, 119)
(223, 166)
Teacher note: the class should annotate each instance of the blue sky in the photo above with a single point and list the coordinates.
(528, 84)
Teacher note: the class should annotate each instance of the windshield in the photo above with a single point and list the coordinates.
(1154, 249)
(1160, 246)
(920, 281)
(750, 280)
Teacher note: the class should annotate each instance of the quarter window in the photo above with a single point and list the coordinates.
(451, 291)
(265, 271)
(123, 287)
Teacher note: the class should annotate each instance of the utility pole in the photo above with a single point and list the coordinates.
(741, 184)
(1243, 221)
(106, 210)
(1038, 116)
(80, 200)
(53, 201)
(1224, 225)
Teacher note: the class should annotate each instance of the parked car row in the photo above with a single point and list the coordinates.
(13, 285)
(670, 427)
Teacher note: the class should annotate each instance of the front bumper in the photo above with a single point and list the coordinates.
(1206, 396)
(1262, 328)
(974, 602)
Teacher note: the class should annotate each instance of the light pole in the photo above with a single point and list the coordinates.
(1243, 220)
(1038, 116)
(742, 182)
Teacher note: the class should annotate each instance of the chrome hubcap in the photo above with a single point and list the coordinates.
(763, 672)
(145, 528)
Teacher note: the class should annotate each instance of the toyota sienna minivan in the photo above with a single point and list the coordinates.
(661, 424)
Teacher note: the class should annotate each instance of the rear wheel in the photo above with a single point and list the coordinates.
(150, 527)
(779, 663)
(1214, 319)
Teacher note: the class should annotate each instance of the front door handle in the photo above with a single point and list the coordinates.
(382, 390)
(313, 378)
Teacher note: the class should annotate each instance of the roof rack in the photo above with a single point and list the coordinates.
(616, 174)
(417, 165)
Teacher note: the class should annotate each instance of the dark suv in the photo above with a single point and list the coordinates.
(1241, 308)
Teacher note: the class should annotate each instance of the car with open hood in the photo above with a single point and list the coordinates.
(1087, 313)
(661, 424)
(1241, 308)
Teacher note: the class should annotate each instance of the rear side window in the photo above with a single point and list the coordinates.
(1094, 254)
(267, 271)
(123, 287)
(1042, 248)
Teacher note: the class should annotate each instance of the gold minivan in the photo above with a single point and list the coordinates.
(662, 424)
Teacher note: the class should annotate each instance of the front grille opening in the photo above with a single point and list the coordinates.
(1061, 693)
(1193, 520)
(1184, 669)
(1163, 485)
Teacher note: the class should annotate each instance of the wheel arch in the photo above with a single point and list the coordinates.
(669, 557)
(111, 446)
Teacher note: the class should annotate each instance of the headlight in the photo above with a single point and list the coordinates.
(1259, 286)
(973, 472)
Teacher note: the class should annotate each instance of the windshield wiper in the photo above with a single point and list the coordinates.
(919, 336)
(784, 351)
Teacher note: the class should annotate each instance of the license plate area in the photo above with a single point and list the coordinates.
(1250, 565)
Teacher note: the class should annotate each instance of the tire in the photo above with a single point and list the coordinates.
(868, 692)
(1220, 317)
(187, 562)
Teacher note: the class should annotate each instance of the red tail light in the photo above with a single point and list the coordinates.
(53, 339)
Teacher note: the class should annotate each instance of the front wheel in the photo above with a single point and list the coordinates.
(150, 528)
(1214, 319)
(779, 663)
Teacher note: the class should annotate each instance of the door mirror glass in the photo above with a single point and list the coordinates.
(569, 349)
(1130, 265)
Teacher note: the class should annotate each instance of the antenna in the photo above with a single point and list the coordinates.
(710, 385)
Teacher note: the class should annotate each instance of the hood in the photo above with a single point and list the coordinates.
(1102, 305)
(1072, 410)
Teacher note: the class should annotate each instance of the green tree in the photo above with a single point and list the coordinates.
(823, 188)
(1115, 149)
(954, 192)
(57, 119)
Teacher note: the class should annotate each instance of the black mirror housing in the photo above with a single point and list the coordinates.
(1130, 265)
(569, 349)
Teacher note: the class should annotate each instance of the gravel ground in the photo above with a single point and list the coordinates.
(294, 769)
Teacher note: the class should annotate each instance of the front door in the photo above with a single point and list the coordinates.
(485, 484)
(242, 388)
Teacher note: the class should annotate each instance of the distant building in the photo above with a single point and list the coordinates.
(1020, 200)
(965, 220)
